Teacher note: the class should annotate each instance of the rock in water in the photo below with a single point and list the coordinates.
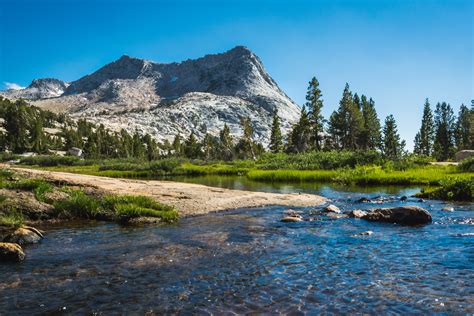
(448, 209)
(366, 233)
(291, 219)
(24, 236)
(357, 213)
(332, 208)
(405, 215)
(11, 252)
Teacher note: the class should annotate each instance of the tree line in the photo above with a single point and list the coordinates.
(355, 125)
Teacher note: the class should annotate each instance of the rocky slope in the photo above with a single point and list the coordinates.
(165, 99)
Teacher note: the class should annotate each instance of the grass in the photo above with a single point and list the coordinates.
(136, 206)
(38, 186)
(13, 219)
(78, 204)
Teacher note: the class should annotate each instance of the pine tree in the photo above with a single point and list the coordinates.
(314, 104)
(246, 147)
(276, 140)
(393, 147)
(177, 146)
(192, 149)
(299, 138)
(370, 137)
(463, 129)
(151, 148)
(138, 146)
(38, 139)
(16, 126)
(444, 132)
(346, 124)
(226, 143)
(210, 147)
(424, 141)
(90, 147)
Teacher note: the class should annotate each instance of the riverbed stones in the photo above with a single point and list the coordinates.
(448, 209)
(11, 252)
(336, 215)
(332, 208)
(405, 215)
(357, 213)
(291, 219)
(363, 200)
(24, 235)
(366, 233)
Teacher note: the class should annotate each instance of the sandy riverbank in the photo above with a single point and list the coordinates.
(189, 199)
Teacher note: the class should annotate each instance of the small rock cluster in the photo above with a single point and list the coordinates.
(11, 247)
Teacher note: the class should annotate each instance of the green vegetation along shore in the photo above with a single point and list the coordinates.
(361, 168)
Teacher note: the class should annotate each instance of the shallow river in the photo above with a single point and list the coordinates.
(248, 261)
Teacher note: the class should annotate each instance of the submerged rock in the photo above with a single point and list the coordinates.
(332, 208)
(404, 198)
(406, 215)
(336, 215)
(24, 235)
(448, 209)
(291, 219)
(11, 252)
(290, 212)
(366, 233)
(357, 213)
(363, 200)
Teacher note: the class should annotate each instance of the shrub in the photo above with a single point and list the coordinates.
(78, 204)
(467, 165)
(50, 161)
(457, 189)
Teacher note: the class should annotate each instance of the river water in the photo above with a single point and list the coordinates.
(247, 261)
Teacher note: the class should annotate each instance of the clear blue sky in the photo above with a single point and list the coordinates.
(399, 51)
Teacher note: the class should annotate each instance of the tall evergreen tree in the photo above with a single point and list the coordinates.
(425, 137)
(226, 143)
(192, 149)
(276, 140)
(177, 146)
(393, 147)
(370, 137)
(16, 126)
(444, 132)
(314, 104)
(300, 136)
(246, 147)
(38, 139)
(463, 129)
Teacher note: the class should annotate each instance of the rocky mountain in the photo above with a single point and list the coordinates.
(165, 99)
(39, 89)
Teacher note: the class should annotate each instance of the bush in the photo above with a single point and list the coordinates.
(52, 161)
(467, 165)
(78, 204)
(452, 189)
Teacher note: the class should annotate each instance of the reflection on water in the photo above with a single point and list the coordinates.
(248, 261)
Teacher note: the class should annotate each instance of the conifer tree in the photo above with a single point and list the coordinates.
(314, 104)
(276, 140)
(393, 147)
(210, 147)
(444, 132)
(425, 137)
(226, 143)
(177, 146)
(151, 147)
(246, 147)
(16, 126)
(299, 138)
(191, 147)
(463, 129)
(370, 137)
(38, 139)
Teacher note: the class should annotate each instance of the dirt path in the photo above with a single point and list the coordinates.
(189, 199)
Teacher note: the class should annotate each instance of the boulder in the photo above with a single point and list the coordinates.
(357, 213)
(363, 200)
(464, 154)
(336, 215)
(24, 235)
(366, 233)
(332, 208)
(11, 252)
(405, 215)
(291, 219)
(448, 209)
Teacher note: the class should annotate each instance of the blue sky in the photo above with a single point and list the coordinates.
(399, 52)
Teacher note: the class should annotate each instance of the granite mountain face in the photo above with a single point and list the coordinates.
(166, 99)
